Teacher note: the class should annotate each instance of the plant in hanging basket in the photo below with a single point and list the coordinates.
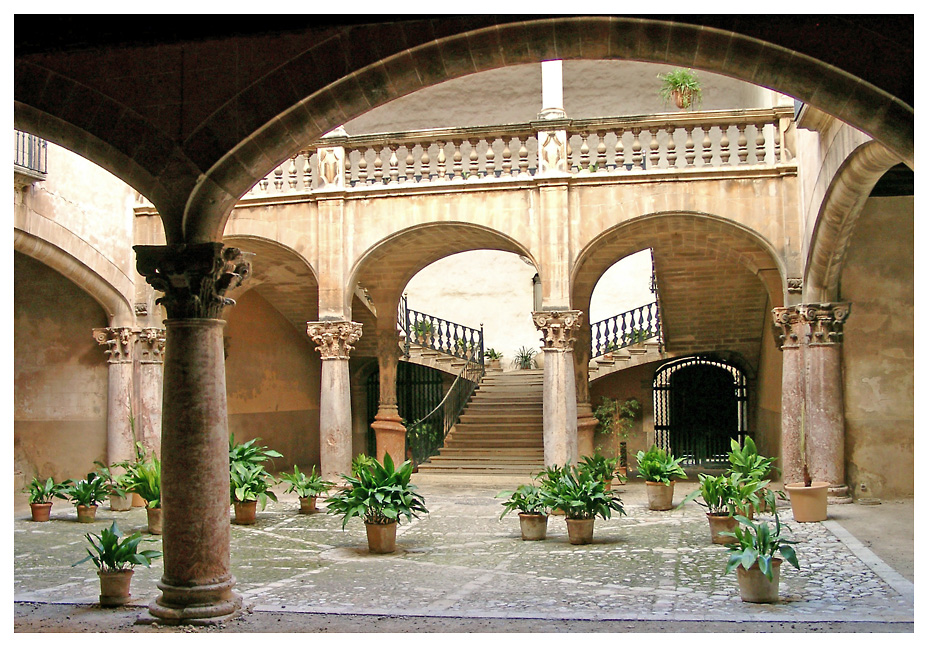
(307, 487)
(115, 556)
(681, 87)
(41, 494)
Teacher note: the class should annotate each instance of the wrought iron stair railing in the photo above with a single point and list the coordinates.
(625, 329)
(448, 337)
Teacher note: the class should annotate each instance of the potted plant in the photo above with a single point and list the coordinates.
(493, 358)
(423, 332)
(658, 467)
(809, 499)
(117, 483)
(611, 347)
(87, 494)
(719, 498)
(144, 479)
(617, 419)
(249, 483)
(582, 498)
(747, 462)
(362, 462)
(525, 358)
(41, 494)
(380, 494)
(114, 557)
(306, 487)
(602, 468)
(753, 553)
(250, 452)
(533, 513)
(682, 87)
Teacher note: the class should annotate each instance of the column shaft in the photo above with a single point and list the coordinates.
(560, 389)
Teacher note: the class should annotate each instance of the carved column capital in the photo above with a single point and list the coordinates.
(151, 345)
(334, 338)
(118, 342)
(193, 277)
(786, 326)
(558, 329)
(826, 322)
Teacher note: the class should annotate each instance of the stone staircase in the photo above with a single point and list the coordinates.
(647, 351)
(500, 430)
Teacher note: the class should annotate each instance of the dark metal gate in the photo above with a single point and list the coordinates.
(419, 389)
(700, 404)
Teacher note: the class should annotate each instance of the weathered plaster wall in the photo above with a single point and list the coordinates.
(768, 393)
(59, 373)
(636, 382)
(272, 382)
(878, 349)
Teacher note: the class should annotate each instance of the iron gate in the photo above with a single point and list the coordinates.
(700, 404)
(419, 389)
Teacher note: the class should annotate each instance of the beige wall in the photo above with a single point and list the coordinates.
(272, 382)
(60, 375)
(879, 350)
(636, 382)
(767, 396)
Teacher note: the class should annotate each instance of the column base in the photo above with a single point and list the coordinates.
(391, 436)
(196, 605)
(839, 495)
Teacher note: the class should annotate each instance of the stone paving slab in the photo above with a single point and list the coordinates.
(462, 561)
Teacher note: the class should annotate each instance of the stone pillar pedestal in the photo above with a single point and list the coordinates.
(333, 340)
(560, 392)
(120, 445)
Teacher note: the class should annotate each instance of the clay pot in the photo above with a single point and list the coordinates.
(86, 513)
(809, 503)
(154, 520)
(719, 523)
(308, 505)
(660, 495)
(534, 526)
(246, 512)
(114, 587)
(137, 500)
(754, 585)
(381, 538)
(41, 511)
(580, 531)
(120, 503)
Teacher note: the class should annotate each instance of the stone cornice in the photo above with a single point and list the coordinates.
(334, 338)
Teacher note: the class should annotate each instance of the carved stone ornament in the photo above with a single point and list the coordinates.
(558, 329)
(193, 277)
(553, 151)
(118, 342)
(151, 342)
(826, 322)
(334, 338)
(332, 168)
(794, 286)
(786, 326)
(141, 309)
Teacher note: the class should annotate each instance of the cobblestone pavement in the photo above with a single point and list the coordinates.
(461, 561)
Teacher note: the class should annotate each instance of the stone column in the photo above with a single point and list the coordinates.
(150, 386)
(196, 586)
(388, 425)
(586, 421)
(790, 332)
(333, 340)
(825, 395)
(559, 331)
(120, 443)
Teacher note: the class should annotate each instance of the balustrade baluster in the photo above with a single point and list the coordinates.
(584, 151)
(707, 146)
(523, 157)
(362, 165)
(291, 174)
(671, 147)
(742, 145)
(507, 156)
(724, 146)
(410, 164)
(637, 158)
(655, 156)
(473, 158)
(264, 182)
(308, 169)
(777, 150)
(441, 161)
(600, 151)
(490, 157)
(279, 178)
(689, 153)
(425, 164)
(760, 144)
(457, 168)
(378, 165)
(394, 165)
(620, 149)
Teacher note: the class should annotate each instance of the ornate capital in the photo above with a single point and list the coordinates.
(334, 338)
(786, 325)
(118, 342)
(826, 322)
(558, 329)
(151, 345)
(194, 277)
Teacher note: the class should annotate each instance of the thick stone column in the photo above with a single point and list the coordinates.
(196, 586)
(790, 332)
(560, 392)
(333, 340)
(388, 425)
(150, 386)
(825, 396)
(120, 444)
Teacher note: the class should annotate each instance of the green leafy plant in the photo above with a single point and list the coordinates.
(250, 452)
(527, 499)
(491, 353)
(578, 494)
(89, 491)
(380, 494)
(362, 462)
(616, 417)
(145, 480)
(718, 493)
(599, 467)
(117, 482)
(422, 329)
(113, 552)
(304, 485)
(657, 465)
(682, 82)
(746, 461)
(250, 482)
(43, 491)
(757, 543)
(525, 358)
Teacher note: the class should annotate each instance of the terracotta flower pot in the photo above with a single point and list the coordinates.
(809, 503)
(120, 503)
(660, 495)
(246, 512)
(86, 513)
(754, 585)
(154, 520)
(137, 500)
(534, 526)
(580, 531)
(381, 538)
(41, 511)
(307, 505)
(719, 523)
(114, 587)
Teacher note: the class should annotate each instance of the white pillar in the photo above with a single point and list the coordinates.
(552, 90)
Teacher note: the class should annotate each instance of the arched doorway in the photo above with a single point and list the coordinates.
(700, 404)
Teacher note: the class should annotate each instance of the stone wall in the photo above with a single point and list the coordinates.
(766, 398)
(636, 382)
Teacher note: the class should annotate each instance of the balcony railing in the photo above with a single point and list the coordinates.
(625, 329)
(438, 334)
(611, 146)
(30, 153)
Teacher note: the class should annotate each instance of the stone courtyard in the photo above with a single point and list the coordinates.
(461, 565)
